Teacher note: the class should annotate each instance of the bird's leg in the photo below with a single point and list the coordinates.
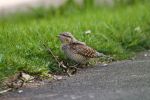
(81, 66)
(76, 66)
(71, 70)
(88, 64)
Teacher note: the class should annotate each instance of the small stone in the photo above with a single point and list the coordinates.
(57, 77)
(105, 64)
(27, 77)
(145, 55)
(20, 91)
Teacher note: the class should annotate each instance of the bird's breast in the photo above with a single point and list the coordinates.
(73, 55)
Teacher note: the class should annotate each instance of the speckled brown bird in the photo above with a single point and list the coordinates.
(76, 50)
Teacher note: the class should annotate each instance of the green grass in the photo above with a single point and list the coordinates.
(119, 32)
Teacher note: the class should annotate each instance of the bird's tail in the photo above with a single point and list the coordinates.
(100, 54)
(107, 58)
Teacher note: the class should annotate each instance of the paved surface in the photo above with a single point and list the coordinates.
(126, 80)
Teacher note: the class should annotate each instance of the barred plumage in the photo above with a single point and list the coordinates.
(76, 50)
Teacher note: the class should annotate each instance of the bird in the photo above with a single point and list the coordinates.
(76, 50)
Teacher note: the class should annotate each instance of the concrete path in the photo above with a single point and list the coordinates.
(125, 80)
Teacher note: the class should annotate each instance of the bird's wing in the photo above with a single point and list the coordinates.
(83, 50)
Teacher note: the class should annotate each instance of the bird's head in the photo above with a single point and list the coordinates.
(66, 38)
